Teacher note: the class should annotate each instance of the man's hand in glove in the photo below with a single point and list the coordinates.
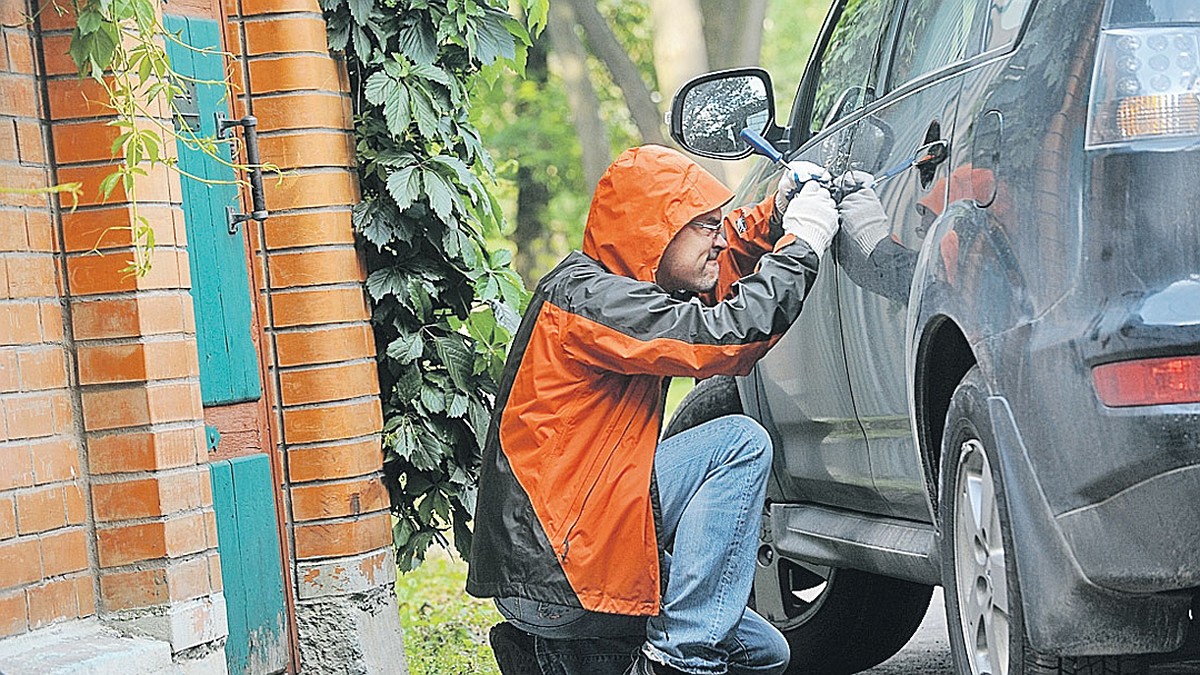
(812, 216)
(789, 187)
(863, 217)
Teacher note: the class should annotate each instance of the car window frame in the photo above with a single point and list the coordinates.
(802, 107)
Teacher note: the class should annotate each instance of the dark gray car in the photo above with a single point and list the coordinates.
(1004, 397)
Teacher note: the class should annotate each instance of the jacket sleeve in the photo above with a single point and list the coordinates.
(752, 232)
(614, 323)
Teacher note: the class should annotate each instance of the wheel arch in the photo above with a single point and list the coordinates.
(943, 358)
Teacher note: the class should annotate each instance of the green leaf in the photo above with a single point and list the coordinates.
(493, 39)
(360, 11)
(458, 406)
(89, 21)
(422, 110)
(385, 281)
(406, 348)
(404, 186)
(408, 384)
(441, 195)
(418, 42)
(458, 359)
(480, 419)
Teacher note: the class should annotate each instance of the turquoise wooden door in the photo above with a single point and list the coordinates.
(220, 283)
(250, 568)
(243, 487)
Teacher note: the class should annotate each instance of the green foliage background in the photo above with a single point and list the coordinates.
(445, 306)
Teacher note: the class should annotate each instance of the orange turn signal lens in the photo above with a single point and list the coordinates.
(1161, 381)
(1159, 115)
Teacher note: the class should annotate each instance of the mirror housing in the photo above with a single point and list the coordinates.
(709, 112)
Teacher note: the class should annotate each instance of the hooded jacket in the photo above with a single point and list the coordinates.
(565, 512)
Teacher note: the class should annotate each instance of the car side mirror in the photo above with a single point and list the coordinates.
(709, 113)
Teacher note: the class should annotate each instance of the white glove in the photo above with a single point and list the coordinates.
(788, 186)
(863, 217)
(812, 216)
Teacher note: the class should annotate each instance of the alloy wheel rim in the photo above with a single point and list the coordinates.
(980, 567)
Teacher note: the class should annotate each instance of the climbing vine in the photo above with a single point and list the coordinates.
(121, 45)
(445, 306)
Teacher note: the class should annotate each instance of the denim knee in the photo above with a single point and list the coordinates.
(755, 441)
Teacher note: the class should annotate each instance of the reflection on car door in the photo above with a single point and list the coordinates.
(919, 110)
(804, 378)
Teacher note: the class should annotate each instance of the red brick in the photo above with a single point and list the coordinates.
(40, 230)
(310, 268)
(90, 274)
(276, 35)
(309, 150)
(173, 537)
(19, 323)
(41, 510)
(9, 378)
(215, 581)
(85, 591)
(335, 500)
(252, 7)
(130, 317)
(18, 96)
(75, 98)
(14, 617)
(306, 110)
(334, 461)
(76, 507)
(329, 345)
(310, 190)
(64, 414)
(309, 229)
(28, 416)
(335, 422)
(51, 319)
(20, 562)
(142, 451)
(141, 405)
(12, 226)
(313, 307)
(54, 52)
(328, 383)
(329, 540)
(148, 497)
(16, 466)
(42, 369)
(32, 149)
(27, 178)
(52, 601)
(54, 15)
(108, 227)
(64, 552)
(31, 276)
(55, 460)
(157, 360)
(134, 589)
(8, 517)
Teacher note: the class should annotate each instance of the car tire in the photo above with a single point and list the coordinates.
(978, 570)
(836, 621)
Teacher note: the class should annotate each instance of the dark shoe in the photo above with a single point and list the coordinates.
(644, 666)
(513, 649)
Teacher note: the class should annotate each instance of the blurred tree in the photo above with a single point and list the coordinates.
(599, 80)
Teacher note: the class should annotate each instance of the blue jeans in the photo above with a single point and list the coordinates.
(711, 485)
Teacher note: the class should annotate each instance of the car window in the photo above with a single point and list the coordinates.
(1132, 12)
(933, 33)
(1002, 21)
(846, 65)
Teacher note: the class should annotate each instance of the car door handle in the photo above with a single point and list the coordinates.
(932, 154)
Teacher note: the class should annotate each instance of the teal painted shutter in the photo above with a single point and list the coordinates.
(250, 565)
(220, 283)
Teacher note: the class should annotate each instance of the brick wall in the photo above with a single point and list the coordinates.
(44, 536)
(324, 387)
(138, 387)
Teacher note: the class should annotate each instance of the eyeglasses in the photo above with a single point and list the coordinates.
(710, 228)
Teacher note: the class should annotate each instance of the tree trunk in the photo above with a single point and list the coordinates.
(733, 30)
(679, 49)
(569, 61)
(604, 46)
(532, 194)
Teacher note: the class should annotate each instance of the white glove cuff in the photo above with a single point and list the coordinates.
(869, 236)
(817, 238)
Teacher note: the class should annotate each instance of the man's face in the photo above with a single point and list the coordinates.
(690, 261)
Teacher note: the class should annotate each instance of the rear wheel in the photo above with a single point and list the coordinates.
(983, 597)
(837, 621)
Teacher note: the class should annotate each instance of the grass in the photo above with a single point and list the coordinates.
(445, 630)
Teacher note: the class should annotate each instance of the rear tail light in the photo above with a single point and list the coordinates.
(1159, 381)
(1146, 88)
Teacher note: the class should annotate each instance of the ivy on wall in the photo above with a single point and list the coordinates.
(445, 307)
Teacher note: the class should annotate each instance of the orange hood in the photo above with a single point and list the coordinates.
(643, 199)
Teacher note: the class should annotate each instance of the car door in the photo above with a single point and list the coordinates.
(803, 379)
(914, 117)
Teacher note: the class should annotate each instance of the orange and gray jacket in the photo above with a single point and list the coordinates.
(565, 512)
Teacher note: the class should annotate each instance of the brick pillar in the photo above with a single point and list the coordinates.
(138, 382)
(323, 385)
(44, 538)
